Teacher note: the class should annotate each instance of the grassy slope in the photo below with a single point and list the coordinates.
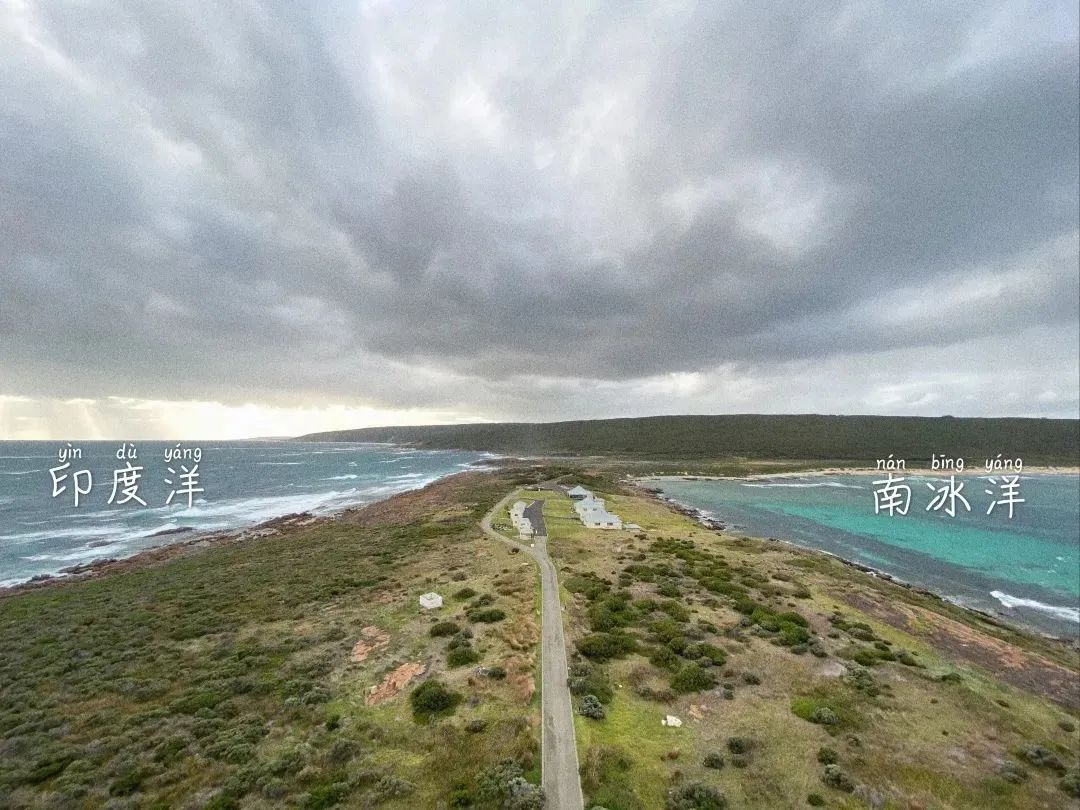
(226, 673)
(920, 742)
(806, 437)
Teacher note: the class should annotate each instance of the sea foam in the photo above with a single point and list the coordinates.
(1057, 611)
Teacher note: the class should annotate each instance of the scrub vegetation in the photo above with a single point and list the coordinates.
(295, 670)
(298, 670)
(798, 679)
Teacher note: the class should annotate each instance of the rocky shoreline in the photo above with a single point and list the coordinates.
(111, 565)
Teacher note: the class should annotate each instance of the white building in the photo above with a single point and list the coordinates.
(594, 513)
(430, 601)
(601, 520)
(589, 504)
(524, 527)
(579, 492)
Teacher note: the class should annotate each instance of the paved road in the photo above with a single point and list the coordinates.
(562, 782)
(535, 513)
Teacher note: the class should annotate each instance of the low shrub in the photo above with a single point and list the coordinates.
(592, 708)
(714, 761)
(740, 745)
(1012, 772)
(585, 679)
(815, 800)
(605, 646)
(1070, 783)
(342, 751)
(862, 681)
(388, 787)
(486, 616)
(432, 697)
(1042, 757)
(707, 653)
(505, 786)
(127, 783)
(443, 629)
(460, 656)
(824, 716)
(664, 658)
(692, 678)
(834, 777)
(827, 756)
(695, 796)
(658, 695)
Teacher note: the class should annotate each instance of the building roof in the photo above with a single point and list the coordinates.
(579, 491)
(600, 517)
(430, 599)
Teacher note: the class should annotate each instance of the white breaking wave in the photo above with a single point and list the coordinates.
(340, 478)
(1057, 611)
(89, 532)
(20, 472)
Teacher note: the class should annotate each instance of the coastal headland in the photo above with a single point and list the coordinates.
(288, 664)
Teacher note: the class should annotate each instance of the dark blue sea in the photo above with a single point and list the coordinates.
(242, 483)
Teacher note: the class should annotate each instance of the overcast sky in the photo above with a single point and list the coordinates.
(266, 218)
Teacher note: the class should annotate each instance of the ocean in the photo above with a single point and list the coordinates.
(1026, 569)
(242, 483)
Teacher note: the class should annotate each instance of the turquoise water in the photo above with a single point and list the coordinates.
(242, 483)
(1026, 569)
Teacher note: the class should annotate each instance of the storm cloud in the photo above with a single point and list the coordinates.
(501, 211)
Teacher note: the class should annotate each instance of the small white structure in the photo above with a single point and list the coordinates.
(525, 527)
(672, 721)
(579, 492)
(430, 601)
(632, 527)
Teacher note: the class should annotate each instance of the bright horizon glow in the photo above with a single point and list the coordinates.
(27, 419)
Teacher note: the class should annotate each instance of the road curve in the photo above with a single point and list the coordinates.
(562, 781)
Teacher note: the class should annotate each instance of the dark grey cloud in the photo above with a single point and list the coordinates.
(531, 212)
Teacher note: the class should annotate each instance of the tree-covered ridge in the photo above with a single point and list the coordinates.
(806, 437)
